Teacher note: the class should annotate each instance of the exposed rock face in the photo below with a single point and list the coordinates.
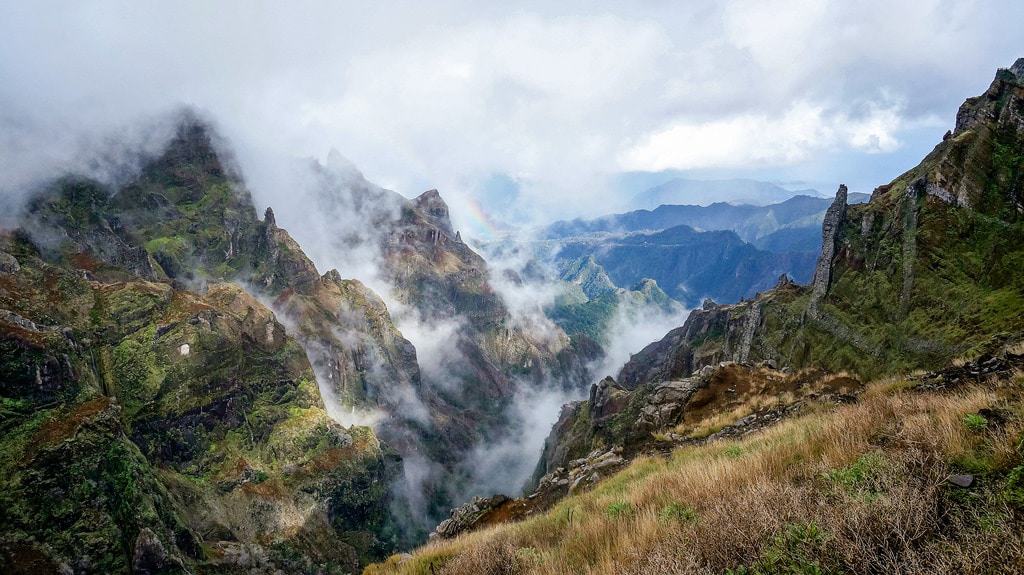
(150, 557)
(711, 335)
(835, 217)
(436, 211)
(468, 516)
(357, 350)
(8, 263)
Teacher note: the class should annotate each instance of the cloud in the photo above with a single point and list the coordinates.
(632, 327)
(754, 140)
(506, 464)
(555, 97)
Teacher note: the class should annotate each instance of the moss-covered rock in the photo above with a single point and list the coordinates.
(158, 429)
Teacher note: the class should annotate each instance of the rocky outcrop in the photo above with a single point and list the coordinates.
(8, 263)
(835, 217)
(354, 346)
(468, 516)
(709, 336)
(909, 211)
(436, 211)
(959, 171)
(1001, 364)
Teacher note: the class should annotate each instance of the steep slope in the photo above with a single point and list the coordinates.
(905, 480)
(149, 429)
(477, 354)
(186, 222)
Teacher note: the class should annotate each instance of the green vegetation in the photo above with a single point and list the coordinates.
(859, 474)
(618, 509)
(677, 512)
(975, 422)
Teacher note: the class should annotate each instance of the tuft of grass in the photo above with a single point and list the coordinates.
(1014, 490)
(618, 509)
(975, 422)
(677, 512)
(733, 451)
(860, 473)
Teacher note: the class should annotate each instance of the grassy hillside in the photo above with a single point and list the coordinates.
(861, 488)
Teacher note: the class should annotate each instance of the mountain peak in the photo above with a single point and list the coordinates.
(1018, 69)
(435, 208)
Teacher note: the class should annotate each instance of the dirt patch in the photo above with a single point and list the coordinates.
(84, 261)
(66, 425)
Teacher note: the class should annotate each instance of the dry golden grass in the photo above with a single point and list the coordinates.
(858, 489)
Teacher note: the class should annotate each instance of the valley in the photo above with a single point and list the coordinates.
(593, 318)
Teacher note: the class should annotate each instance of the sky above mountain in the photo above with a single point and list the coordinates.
(516, 111)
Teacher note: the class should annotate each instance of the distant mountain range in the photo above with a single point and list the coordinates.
(688, 264)
(703, 192)
(723, 251)
(751, 223)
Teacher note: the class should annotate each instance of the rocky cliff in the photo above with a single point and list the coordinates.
(927, 271)
(151, 429)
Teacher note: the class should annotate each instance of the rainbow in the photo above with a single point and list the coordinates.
(479, 224)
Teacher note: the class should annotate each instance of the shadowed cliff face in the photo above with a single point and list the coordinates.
(477, 357)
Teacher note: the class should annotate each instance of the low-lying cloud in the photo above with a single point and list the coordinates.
(632, 327)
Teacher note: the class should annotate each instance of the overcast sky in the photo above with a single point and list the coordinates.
(551, 101)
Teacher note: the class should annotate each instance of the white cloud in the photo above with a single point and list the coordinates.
(762, 140)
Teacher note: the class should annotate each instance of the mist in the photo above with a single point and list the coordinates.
(506, 464)
(633, 327)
